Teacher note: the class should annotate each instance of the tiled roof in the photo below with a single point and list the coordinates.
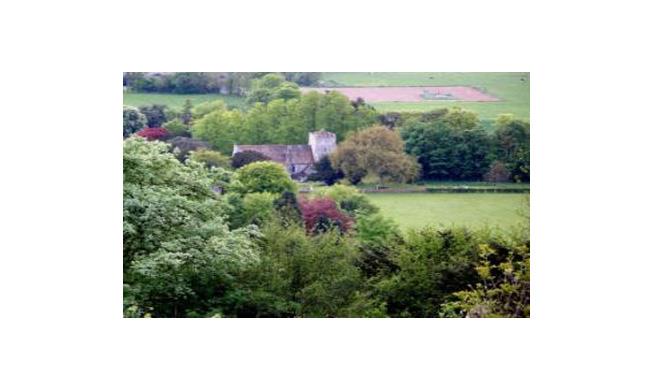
(284, 154)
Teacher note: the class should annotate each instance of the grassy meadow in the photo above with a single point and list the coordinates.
(512, 88)
(416, 210)
(137, 99)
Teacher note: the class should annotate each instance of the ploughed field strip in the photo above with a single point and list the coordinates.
(409, 94)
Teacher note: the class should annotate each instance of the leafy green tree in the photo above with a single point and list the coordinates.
(156, 115)
(259, 126)
(452, 146)
(258, 208)
(132, 121)
(273, 123)
(220, 128)
(379, 239)
(432, 266)
(179, 256)
(210, 158)
(205, 108)
(512, 146)
(286, 91)
(176, 127)
(193, 83)
(336, 114)
(301, 276)
(270, 87)
(504, 287)
(377, 151)
(264, 176)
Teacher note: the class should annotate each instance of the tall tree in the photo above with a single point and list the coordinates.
(452, 146)
(512, 146)
(220, 128)
(377, 151)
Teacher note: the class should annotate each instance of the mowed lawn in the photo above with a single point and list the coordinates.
(416, 210)
(513, 90)
(137, 99)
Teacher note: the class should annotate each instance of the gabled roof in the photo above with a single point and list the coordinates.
(284, 154)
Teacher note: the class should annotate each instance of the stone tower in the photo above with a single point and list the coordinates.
(322, 143)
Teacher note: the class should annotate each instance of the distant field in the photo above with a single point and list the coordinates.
(513, 90)
(472, 210)
(177, 101)
(409, 94)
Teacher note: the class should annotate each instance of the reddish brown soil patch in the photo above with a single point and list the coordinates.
(409, 94)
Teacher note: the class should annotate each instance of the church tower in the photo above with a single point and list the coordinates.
(322, 143)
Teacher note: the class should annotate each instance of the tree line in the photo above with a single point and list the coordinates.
(206, 83)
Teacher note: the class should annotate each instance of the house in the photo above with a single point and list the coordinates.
(299, 160)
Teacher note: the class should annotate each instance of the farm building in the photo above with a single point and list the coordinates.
(297, 159)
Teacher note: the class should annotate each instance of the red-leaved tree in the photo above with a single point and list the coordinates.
(153, 133)
(322, 214)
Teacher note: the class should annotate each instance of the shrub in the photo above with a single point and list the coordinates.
(378, 238)
(156, 115)
(301, 276)
(323, 171)
(322, 214)
(132, 121)
(375, 230)
(258, 208)
(349, 199)
(244, 158)
(432, 266)
(176, 128)
(504, 287)
(211, 158)
(264, 176)
(288, 208)
(153, 133)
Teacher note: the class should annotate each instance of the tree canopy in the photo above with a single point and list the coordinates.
(375, 151)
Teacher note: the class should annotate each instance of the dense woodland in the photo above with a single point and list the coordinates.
(206, 234)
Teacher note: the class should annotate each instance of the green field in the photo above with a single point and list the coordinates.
(473, 210)
(177, 100)
(509, 87)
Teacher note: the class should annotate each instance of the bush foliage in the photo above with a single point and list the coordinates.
(246, 157)
(264, 176)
